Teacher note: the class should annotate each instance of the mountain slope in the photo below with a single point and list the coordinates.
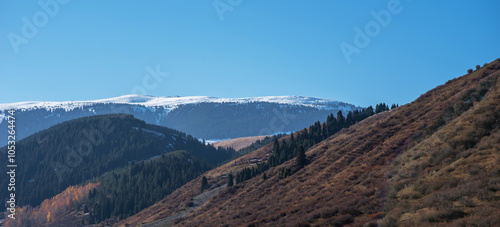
(243, 168)
(75, 151)
(389, 169)
(239, 143)
(453, 175)
(200, 116)
(187, 198)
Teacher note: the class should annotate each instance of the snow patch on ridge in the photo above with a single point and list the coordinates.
(144, 102)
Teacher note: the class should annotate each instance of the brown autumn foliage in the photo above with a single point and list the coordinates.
(51, 209)
(434, 161)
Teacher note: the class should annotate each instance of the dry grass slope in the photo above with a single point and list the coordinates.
(238, 143)
(452, 177)
(434, 161)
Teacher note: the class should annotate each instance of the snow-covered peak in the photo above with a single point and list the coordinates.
(169, 101)
(173, 102)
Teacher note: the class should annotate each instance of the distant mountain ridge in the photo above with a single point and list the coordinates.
(201, 116)
(173, 102)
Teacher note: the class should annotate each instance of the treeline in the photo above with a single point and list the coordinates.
(301, 141)
(76, 151)
(129, 190)
(258, 144)
(208, 153)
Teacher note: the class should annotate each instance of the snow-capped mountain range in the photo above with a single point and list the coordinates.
(172, 102)
(201, 116)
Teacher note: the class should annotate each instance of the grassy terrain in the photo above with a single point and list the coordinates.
(434, 161)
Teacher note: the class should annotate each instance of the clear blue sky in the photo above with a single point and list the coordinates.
(100, 49)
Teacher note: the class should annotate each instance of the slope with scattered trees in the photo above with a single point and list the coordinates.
(242, 169)
(431, 162)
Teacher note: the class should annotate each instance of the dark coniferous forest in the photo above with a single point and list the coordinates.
(79, 150)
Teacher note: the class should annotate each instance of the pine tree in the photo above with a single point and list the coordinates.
(379, 108)
(369, 111)
(276, 146)
(230, 179)
(204, 183)
(349, 119)
(329, 118)
(300, 161)
(340, 119)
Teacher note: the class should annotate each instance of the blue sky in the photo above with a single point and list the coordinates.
(93, 49)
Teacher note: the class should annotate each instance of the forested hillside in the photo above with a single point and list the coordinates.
(128, 190)
(78, 150)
